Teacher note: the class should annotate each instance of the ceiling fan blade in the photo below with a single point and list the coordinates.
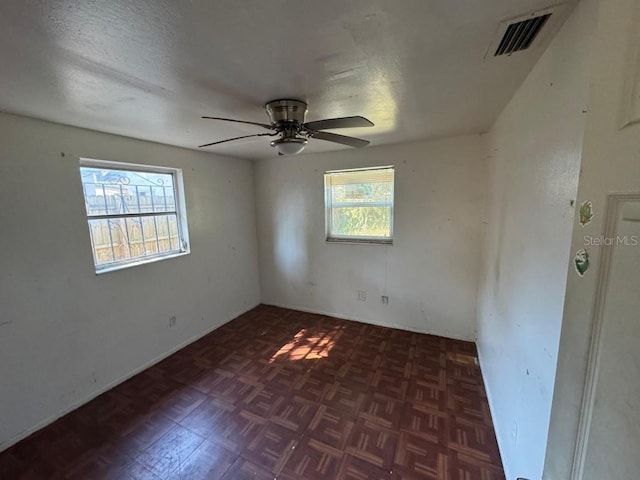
(263, 125)
(334, 137)
(237, 138)
(344, 122)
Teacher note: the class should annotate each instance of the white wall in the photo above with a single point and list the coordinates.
(535, 150)
(66, 333)
(430, 273)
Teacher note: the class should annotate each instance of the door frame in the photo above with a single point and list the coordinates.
(614, 203)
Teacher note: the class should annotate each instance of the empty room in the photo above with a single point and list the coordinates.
(356, 240)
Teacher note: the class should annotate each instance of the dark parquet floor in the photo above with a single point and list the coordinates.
(278, 393)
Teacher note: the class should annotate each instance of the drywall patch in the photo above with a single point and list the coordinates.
(586, 212)
(581, 261)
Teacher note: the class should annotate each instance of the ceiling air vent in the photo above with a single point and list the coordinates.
(520, 35)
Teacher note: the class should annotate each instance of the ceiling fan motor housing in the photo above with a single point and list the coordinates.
(288, 116)
(286, 111)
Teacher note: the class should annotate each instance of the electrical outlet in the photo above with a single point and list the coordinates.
(384, 299)
(172, 321)
(362, 296)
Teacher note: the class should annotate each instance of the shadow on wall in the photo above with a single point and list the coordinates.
(290, 247)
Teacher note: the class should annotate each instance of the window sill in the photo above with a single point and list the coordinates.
(142, 261)
(361, 241)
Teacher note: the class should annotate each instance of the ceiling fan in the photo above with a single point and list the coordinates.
(288, 123)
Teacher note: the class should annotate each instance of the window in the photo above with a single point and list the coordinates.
(359, 205)
(136, 213)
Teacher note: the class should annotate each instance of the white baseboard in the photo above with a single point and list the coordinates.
(371, 322)
(492, 410)
(49, 420)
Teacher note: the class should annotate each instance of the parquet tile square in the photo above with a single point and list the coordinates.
(347, 341)
(354, 468)
(330, 368)
(463, 373)
(313, 460)
(398, 365)
(243, 469)
(141, 432)
(68, 448)
(392, 386)
(286, 377)
(462, 467)
(136, 471)
(271, 447)
(426, 393)
(209, 460)
(181, 403)
(434, 342)
(370, 356)
(235, 430)
(355, 375)
(282, 393)
(107, 462)
(400, 350)
(376, 335)
(417, 458)
(106, 408)
(235, 362)
(346, 397)
(142, 392)
(208, 419)
(428, 369)
(185, 371)
(209, 354)
(382, 410)
(294, 413)
(425, 422)
(429, 374)
(261, 370)
(373, 443)
(472, 439)
(170, 451)
(355, 328)
(311, 386)
(331, 426)
(235, 389)
(263, 401)
(213, 380)
(468, 403)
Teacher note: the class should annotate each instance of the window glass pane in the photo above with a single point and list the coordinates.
(134, 237)
(130, 238)
(362, 191)
(150, 232)
(360, 203)
(169, 197)
(116, 192)
(101, 242)
(361, 222)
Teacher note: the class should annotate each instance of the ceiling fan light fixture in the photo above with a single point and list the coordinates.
(289, 146)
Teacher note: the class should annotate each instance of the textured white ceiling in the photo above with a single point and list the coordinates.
(150, 68)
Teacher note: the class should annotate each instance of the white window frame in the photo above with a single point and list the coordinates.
(357, 239)
(181, 212)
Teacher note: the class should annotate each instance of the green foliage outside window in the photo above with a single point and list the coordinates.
(360, 208)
